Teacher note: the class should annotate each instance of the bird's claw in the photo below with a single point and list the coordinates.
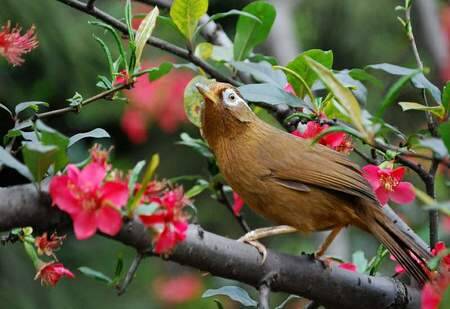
(259, 246)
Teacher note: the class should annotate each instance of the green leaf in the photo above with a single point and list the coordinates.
(34, 105)
(270, 94)
(144, 32)
(332, 129)
(301, 67)
(362, 75)
(157, 72)
(96, 133)
(94, 274)
(444, 131)
(7, 159)
(263, 72)
(259, 58)
(445, 300)
(186, 14)
(444, 207)
(249, 32)
(207, 51)
(51, 137)
(4, 107)
(359, 259)
(119, 268)
(394, 91)
(419, 80)
(129, 19)
(105, 49)
(149, 172)
(197, 144)
(435, 144)
(201, 186)
(146, 209)
(437, 110)
(235, 293)
(226, 14)
(193, 100)
(286, 301)
(446, 96)
(134, 176)
(342, 94)
(376, 261)
(38, 158)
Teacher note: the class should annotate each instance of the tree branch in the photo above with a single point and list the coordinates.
(302, 275)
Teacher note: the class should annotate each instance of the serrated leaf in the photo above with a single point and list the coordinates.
(34, 105)
(235, 293)
(342, 94)
(7, 159)
(94, 274)
(96, 133)
(38, 158)
(262, 72)
(144, 32)
(270, 94)
(419, 80)
(186, 14)
(249, 32)
(437, 110)
(193, 100)
(300, 66)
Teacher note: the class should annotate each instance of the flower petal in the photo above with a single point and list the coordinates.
(398, 173)
(73, 173)
(166, 241)
(91, 176)
(109, 220)
(382, 195)
(114, 192)
(62, 196)
(404, 193)
(152, 219)
(84, 224)
(370, 173)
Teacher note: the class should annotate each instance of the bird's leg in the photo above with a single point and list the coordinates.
(327, 242)
(252, 236)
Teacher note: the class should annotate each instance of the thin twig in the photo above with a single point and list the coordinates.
(130, 274)
(264, 292)
(222, 198)
(90, 4)
(68, 109)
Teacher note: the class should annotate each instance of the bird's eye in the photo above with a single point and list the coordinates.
(232, 97)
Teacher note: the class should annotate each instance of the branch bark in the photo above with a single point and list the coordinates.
(302, 275)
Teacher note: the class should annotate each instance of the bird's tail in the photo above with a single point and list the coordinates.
(405, 250)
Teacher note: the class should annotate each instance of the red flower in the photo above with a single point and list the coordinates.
(46, 245)
(338, 141)
(178, 290)
(92, 203)
(238, 203)
(387, 184)
(158, 101)
(100, 155)
(169, 221)
(438, 248)
(121, 78)
(51, 273)
(13, 45)
(348, 266)
(152, 192)
(430, 297)
(289, 89)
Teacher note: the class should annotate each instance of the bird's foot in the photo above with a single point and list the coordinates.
(249, 239)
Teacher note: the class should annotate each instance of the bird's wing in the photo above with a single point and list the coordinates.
(292, 160)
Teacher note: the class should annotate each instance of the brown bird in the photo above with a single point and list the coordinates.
(287, 180)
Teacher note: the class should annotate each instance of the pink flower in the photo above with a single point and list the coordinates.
(387, 184)
(398, 268)
(438, 248)
(13, 45)
(178, 290)
(91, 202)
(169, 221)
(338, 141)
(51, 273)
(238, 203)
(289, 89)
(46, 245)
(430, 297)
(348, 266)
(121, 78)
(158, 101)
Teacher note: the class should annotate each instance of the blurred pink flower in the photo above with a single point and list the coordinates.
(13, 45)
(348, 266)
(238, 203)
(178, 290)
(289, 89)
(158, 101)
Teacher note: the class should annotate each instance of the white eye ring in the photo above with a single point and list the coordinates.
(230, 97)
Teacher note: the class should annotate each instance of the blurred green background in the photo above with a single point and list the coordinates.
(68, 60)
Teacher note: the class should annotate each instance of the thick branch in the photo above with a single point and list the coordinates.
(302, 275)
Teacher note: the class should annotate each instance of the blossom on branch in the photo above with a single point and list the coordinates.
(50, 273)
(238, 203)
(169, 221)
(387, 184)
(13, 45)
(92, 202)
(47, 245)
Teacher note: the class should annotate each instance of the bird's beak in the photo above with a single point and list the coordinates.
(206, 92)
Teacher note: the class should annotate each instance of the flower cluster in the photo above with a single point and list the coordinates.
(13, 45)
(168, 221)
(92, 201)
(50, 273)
(387, 184)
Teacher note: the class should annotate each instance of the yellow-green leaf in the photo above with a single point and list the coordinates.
(193, 100)
(144, 32)
(341, 93)
(186, 13)
(437, 110)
